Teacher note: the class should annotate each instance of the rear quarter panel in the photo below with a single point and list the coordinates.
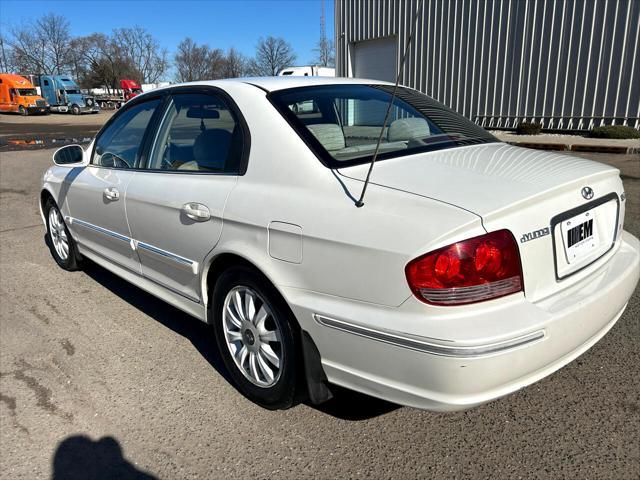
(356, 253)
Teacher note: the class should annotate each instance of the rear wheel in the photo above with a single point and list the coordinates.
(256, 337)
(62, 246)
(23, 111)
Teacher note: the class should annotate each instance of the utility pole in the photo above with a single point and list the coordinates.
(323, 39)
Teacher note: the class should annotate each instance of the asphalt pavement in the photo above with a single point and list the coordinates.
(31, 132)
(100, 380)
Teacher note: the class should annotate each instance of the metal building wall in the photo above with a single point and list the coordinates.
(570, 64)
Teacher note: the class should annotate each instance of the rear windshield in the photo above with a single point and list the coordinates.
(342, 123)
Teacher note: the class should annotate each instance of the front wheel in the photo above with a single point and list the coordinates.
(75, 109)
(256, 337)
(61, 244)
(23, 111)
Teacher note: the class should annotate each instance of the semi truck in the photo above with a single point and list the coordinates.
(64, 95)
(128, 90)
(17, 94)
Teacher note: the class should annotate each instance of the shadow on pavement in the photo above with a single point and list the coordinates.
(79, 457)
(354, 406)
(199, 334)
(345, 404)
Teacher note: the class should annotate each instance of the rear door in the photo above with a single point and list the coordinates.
(96, 194)
(175, 204)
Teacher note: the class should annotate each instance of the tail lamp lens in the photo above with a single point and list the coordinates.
(473, 270)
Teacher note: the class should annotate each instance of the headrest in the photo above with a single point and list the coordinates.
(329, 135)
(408, 129)
(211, 148)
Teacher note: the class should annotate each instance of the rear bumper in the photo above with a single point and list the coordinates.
(395, 357)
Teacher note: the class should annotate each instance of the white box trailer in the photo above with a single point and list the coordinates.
(308, 71)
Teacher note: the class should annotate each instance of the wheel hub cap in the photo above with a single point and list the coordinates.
(249, 337)
(252, 336)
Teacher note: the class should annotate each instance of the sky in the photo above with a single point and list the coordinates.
(218, 23)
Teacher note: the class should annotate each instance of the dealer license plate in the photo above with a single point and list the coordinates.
(580, 236)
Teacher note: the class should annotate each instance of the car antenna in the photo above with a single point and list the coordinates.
(360, 202)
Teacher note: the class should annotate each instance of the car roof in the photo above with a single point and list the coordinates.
(271, 84)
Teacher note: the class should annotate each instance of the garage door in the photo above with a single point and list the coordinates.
(376, 59)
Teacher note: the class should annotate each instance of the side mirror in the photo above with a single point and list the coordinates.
(69, 156)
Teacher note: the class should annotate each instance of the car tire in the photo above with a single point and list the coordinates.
(75, 109)
(23, 111)
(269, 337)
(58, 237)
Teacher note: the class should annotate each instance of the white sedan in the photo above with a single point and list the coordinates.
(471, 269)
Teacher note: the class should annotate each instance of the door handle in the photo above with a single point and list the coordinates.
(112, 193)
(196, 211)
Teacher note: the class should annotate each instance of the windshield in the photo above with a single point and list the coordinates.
(342, 123)
(72, 91)
(27, 92)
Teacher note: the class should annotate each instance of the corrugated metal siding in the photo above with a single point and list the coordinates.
(570, 64)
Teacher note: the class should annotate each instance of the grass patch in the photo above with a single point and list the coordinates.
(614, 131)
(528, 128)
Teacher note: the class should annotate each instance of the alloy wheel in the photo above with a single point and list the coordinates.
(252, 336)
(58, 234)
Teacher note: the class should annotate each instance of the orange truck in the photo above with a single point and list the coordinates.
(17, 94)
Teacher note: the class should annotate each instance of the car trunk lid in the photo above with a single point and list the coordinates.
(534, 194)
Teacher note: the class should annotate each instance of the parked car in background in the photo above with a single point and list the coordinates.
(64, 95)
(17, 94)
(308, 71)
(474, 268)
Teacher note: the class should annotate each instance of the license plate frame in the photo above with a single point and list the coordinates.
(573, 213)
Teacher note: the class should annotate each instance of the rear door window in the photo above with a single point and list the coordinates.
(198, 133)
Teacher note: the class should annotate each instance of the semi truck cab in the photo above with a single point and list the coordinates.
(64, 95)
(17, 94)
(130, 88)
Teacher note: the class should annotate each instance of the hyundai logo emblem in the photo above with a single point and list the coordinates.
(587, 193)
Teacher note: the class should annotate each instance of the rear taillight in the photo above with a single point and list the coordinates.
(470, 271)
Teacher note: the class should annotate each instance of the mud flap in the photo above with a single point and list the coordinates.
(317, 383)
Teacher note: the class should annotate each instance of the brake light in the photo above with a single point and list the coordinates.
(473, 270)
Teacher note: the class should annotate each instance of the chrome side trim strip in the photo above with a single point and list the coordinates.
(135, 244)
(108, 260)
(171, 256)
(428, 347)
(104, 231)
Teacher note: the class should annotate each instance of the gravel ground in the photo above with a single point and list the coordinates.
(98, 380)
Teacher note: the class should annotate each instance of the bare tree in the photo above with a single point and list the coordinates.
(325, 52)
(191, 61)
(198, 62)
(235, 64)
(42, 46)
(6, 56)
(272, 55)
(137, 46)
(98, 62)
